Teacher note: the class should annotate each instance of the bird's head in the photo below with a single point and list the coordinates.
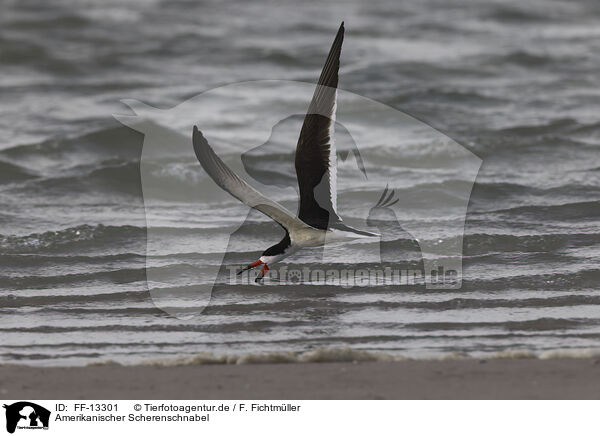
(271, 255)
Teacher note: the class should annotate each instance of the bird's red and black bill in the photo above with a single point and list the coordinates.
(252, 265)
(263, 271)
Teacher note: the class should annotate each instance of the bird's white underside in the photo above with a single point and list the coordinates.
(307, 238)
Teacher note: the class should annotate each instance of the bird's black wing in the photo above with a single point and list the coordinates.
(315, 153)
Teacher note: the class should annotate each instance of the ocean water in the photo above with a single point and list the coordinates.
(514, 83)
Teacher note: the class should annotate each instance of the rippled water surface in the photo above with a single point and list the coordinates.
(516, 83)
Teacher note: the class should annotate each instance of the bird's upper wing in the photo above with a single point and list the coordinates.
(315, 153)
(232, 183)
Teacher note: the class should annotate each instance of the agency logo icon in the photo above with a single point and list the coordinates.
(26, 415)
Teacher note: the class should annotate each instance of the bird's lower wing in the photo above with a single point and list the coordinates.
(236, 186)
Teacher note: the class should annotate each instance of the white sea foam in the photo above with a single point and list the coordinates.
(319, 355)
(328, 355)
(514, 354)
(571, 353)
(103, 363)
(346, 355)
(197, 359)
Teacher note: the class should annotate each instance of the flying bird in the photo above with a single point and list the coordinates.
(316, 168)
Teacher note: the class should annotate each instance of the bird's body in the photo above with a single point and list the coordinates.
(317, 221)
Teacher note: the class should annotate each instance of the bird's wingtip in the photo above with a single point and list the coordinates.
(198, 142)
(197, 133)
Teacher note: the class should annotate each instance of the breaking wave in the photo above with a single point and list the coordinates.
(348, 355)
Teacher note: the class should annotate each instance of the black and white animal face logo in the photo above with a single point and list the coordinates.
(26, 415)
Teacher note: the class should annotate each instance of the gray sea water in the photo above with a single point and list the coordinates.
(515, 82)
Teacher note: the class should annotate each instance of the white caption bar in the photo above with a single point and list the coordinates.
(299, 417)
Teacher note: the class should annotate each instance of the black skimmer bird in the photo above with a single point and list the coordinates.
(315, 162)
